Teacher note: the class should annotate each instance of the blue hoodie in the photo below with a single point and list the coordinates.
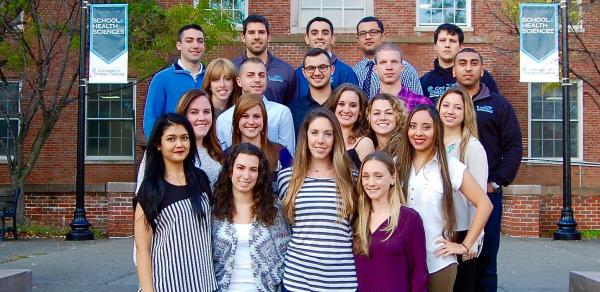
(165, 90)
(500, 135)
(438, 80)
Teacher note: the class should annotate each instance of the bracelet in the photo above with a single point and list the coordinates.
(465, 247)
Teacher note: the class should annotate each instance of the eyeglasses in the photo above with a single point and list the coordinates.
(373, 32)
(322, 68)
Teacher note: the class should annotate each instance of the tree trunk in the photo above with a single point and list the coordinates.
(20, 183)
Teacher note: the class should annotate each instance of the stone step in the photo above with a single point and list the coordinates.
(584, 281)
(15, 280)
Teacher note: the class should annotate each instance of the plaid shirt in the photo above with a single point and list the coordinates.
(408, 77)
(412, 99)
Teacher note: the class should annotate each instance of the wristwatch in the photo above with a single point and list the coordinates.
(497, 187)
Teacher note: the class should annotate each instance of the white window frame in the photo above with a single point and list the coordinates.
(4, 158)
(431, 27)
(238, 26)
(580, 123)
(90, 158)
(297, 27)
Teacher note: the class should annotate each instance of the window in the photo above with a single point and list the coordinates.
(436, 12)
(9, 115)
(545, 120)
(110, 121)
(344, 14)
(237, 8)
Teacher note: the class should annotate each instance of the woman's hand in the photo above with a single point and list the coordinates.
(449, 248)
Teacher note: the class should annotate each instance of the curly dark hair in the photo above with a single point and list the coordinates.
(264, 199)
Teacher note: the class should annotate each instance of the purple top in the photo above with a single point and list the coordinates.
(399, 263)
(411, 99)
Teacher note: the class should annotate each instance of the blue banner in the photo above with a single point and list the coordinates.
(539, 42)
(108, 43)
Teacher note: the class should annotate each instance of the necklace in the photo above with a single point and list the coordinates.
(176, 180)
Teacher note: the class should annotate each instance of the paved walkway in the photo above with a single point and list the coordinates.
(105, 264)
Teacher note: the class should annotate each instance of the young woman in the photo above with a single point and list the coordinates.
(429, 179)
(386, 116)
(457, 114)
(389, 239)
(250, 233)
(349, 104)
(197, 107)
(172, 213)
(250, 126)
(318, 202)
(219, 82)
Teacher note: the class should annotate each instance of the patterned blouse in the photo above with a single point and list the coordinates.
(268, 245)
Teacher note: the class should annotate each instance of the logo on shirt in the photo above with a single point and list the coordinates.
(276, 78)
(436, 92)
(485, 108)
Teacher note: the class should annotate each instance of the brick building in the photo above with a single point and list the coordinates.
(531, 207)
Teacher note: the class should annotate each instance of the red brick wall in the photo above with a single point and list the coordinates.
(112, 213)
(537, 215)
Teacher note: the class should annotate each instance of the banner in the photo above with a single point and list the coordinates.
(539, 43)
(108, 43)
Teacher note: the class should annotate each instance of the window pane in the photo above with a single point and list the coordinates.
(354, 4)
(437, 16)
(6, 137)
(333, 3)
(449, 16)
(461, 17)
(110, 120)
(351, 16)
(310, 3)
(335, 15)
(308, 14)
(461, 4)
(9, 97)
(434, 12)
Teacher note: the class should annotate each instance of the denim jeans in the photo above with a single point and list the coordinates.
(487, 276)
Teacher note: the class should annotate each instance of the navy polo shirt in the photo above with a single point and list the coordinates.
(281, 79)
(300, 107)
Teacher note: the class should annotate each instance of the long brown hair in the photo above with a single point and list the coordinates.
(263, 199)
(364, 207)
(395, 136)
(406, 154)
(360, 127)
(469, 123)
(342, 167)
(246, 102)
(214, 70)
(210, 141)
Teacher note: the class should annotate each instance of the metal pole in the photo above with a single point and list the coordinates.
(566, 225)
(80, 227)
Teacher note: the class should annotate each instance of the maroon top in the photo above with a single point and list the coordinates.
(399, 263)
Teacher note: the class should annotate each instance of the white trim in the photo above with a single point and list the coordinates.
(468, 26)
(297, 27)
(580, 136)
(3, 158)
(92, 159)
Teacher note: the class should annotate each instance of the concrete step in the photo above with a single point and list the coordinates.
(584, 281)
(16, 280)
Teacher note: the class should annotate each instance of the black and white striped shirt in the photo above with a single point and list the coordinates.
(181, 245)
(319, 256)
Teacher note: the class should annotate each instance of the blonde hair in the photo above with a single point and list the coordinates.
(362, 232)
(468, 124)
(214, 70)
(342, 167)
(401, 113)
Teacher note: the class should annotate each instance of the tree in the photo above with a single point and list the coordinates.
(580, 47)
(39, 41)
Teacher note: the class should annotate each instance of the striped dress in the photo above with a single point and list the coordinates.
(319, 256)
(181, 245)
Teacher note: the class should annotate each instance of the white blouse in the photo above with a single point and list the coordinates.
(476, 161)
(425, 193)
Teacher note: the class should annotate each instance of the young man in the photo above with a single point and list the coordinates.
(253, 78)
(448, 39)
(500, 135)
(319, 34)
(370, 35)
(282, 83)
(389, 68)
(317, 69)
(168, 85)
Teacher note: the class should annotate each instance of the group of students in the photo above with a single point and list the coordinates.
(382, 191)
